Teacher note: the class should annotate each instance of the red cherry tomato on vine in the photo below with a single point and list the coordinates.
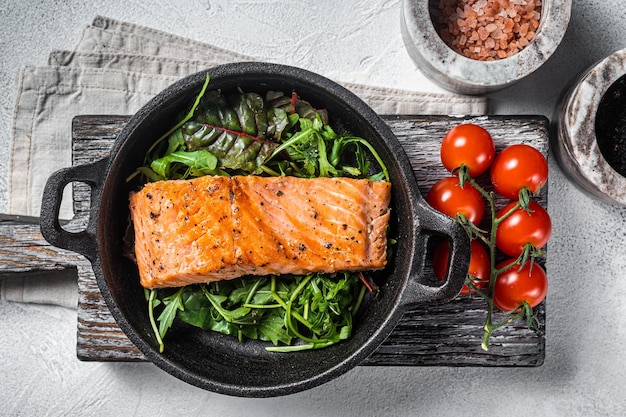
(514, 286)
(447, 196)
(468, 144)
(518, 166)
(522, 227)
(479, 267)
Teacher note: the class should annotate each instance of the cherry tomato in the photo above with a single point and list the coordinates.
(447, 196)
(468, 144)
(518, 166)
(479, 266)
(523, 227)
(514, 286)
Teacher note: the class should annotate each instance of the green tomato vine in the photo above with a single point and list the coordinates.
(530, 254)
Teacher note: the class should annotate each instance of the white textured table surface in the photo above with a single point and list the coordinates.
(584, 372)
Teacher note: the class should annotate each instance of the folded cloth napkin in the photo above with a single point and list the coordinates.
(115, 68)
(60, 289)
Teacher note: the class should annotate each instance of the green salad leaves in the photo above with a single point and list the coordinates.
(244, 133)
(317, 309)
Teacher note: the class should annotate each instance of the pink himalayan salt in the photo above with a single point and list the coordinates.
(487, 29)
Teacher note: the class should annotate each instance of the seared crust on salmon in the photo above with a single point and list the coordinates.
(213, 228)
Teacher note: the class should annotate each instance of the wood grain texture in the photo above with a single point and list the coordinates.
(439, 335)
(23, 249)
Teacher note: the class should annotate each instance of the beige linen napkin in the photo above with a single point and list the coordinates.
(125, 39)
(115, 68)
(47, 100)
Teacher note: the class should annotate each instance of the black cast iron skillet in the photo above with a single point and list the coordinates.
(220, 363)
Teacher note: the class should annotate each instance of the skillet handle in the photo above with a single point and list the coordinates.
(83, 242)
(434, 222)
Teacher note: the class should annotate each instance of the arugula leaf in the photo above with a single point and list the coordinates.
(173, 303)
(317, 151)
(315, 309)
(153, 302)
(272, 329)
(200, 162)
(236, 316)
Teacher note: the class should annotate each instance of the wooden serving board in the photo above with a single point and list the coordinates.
(441, 335)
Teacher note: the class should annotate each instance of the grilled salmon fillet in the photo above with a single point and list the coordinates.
(213, 228)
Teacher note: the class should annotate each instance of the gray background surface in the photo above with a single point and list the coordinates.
(584, 372)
